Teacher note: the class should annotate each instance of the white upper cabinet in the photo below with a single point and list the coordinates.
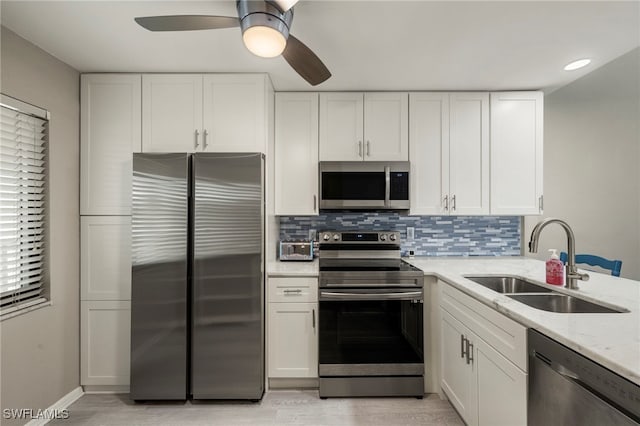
(109, 134)
(341, 126)
(205, 113)
(469, 153)
(516, 153)
(235, 113)
(296, 154)
(364, 126)
(449, 137)
(172, 112)
(386, 123)
(429, 150)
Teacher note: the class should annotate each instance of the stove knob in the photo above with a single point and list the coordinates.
(326, 237)
(336, 237)
(392, 237)
(383, 237)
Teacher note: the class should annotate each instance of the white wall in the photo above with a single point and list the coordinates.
(591, 164)
(40, 349)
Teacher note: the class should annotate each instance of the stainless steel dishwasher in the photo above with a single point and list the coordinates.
(565, 388)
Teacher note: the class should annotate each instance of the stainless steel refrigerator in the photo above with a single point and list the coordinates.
(197, 299)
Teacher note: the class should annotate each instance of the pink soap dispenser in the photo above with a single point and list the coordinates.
(555, 269)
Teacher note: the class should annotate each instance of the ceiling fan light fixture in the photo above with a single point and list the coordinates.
(263, 41)
(265, 29)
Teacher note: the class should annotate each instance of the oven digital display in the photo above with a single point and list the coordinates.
(360, 237)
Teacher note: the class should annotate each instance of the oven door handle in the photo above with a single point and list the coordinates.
(399, 295)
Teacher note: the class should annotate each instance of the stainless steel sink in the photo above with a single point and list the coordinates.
(508, 284)
(563, 303)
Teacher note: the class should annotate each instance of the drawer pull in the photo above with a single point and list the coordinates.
(296, 291)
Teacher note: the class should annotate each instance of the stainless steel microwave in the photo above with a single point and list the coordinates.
(364, 185)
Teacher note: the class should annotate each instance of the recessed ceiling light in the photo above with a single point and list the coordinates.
(577, 64)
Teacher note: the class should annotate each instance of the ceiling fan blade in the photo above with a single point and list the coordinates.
(284, 5)
(186, 22)
(305, 62)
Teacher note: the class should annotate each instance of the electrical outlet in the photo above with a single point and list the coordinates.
(312, 234)
(410, 233)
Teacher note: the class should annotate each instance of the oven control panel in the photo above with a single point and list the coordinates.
(336, 237)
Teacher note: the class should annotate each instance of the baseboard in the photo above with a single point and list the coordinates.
(92, 389)
(58, 406)
(293, 383)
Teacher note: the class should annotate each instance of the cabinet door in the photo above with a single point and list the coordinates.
(296, 159)
(341, 126)
(457, 376)
(502, 388)
(235, 112)
(109, 133)
(105, 263)
(292, 340)
(516, 153)
(105, 342)
(386, 124)
(469, 153)
(171, 112)
(429, 150)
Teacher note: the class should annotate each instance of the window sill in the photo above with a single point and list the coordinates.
(24, 308)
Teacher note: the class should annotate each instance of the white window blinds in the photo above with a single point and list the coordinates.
(23, 155)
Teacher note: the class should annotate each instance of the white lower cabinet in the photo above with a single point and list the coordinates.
(292, 327)
(484, 386)
(293, 340)
(457, 375)
(105, 336)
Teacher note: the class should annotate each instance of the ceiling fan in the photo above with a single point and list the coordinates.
(265, 28)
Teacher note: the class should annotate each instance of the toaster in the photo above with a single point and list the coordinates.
(296, 250)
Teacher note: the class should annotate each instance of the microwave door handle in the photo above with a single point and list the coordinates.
(387, 186)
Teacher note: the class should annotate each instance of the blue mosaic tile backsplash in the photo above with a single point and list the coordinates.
(433, 235)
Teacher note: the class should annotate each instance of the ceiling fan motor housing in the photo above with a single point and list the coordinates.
(263, 13)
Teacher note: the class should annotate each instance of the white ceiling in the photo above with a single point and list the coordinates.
(367, 45)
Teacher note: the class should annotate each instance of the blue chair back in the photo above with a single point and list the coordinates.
(612, 265)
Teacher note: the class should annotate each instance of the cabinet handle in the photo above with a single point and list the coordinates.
(446, 203)
(313, 319)
(315, 203)
(296, 291)
(368, 149)
(359, 148)
(204, 139)
(469, 352)
(541, 203)
(463, 346)
(453, 203)
(197, 134)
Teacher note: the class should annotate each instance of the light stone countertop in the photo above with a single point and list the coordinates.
(612, 340)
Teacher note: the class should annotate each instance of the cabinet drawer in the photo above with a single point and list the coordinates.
(293, 289)
(505, 335)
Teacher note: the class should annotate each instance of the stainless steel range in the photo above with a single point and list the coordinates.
(371, 317)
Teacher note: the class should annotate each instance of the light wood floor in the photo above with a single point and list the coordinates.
(276, 408)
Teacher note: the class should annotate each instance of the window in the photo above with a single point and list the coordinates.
(23, 188)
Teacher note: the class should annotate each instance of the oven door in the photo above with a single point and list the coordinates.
(371, 332)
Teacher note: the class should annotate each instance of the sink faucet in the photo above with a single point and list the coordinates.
(572, 274)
